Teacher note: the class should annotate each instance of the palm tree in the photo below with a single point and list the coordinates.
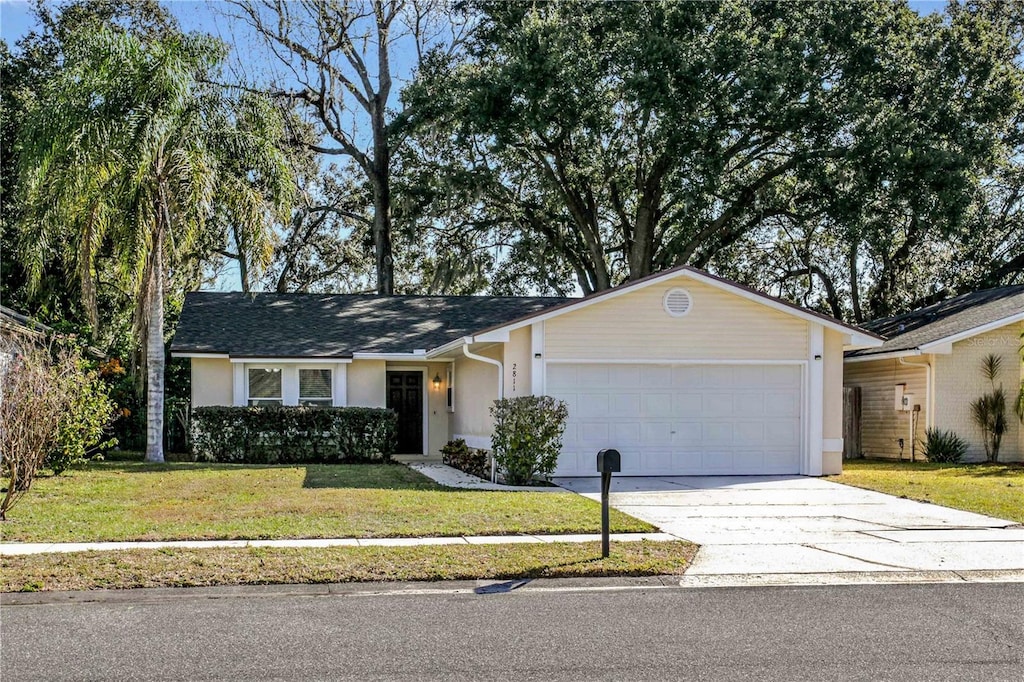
(126, 163)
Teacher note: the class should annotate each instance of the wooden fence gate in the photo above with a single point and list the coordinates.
(851, 423)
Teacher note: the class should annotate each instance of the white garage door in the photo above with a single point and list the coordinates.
(680, 419)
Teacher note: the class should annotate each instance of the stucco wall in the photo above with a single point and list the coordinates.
(959, 381)
(517, 364)
(476, 388)
(881, 424)
(211, 382)
(367, 386)
(719, 326)
(832, 408)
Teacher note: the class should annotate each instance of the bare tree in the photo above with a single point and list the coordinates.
(339, 57)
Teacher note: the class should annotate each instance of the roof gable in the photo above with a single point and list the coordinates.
(858, 336)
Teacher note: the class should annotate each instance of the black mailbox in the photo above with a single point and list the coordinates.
(609, 462)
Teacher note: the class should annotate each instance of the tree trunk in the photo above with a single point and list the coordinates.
(382, 201)
(155, 358)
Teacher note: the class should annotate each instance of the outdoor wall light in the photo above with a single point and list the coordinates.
(437, 382)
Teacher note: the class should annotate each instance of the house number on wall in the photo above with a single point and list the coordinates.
(514, 374)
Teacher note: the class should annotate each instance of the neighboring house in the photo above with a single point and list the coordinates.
(934, 356)
(19, 329)
(683, 372)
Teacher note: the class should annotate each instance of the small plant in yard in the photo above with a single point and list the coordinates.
(527, 436)
(989, 411)
(53, 412)
(943, 446)
(457, 454)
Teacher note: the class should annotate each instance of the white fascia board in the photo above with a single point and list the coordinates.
(495, 336)
(892, 355)
(450, 347)
(212, 356)
(389, 356)
(291, 361)
(856, 341)
(940, 345)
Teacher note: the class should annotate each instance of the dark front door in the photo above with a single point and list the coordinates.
(405, 397)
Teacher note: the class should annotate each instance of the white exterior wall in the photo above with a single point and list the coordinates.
(367, 383)
(476, 389)
(211, 382)
(959, 381)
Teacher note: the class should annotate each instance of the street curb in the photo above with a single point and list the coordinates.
(483, 588)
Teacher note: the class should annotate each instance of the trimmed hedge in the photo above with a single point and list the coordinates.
(293, 435)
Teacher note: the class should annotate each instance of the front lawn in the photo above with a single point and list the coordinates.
(189, 501)
(263, 565)
(991, 489)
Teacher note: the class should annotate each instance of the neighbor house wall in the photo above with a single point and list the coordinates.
(959, 381)
(881, 424)
(719, 326)
(211, 382)
(476, 389)
(832, 409)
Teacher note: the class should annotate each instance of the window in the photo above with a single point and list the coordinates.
(264, 386)
(315, 387)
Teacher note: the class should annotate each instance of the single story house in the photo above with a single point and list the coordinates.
(683, 372)
(928, 372)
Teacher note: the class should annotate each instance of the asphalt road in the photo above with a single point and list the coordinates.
(890, 632)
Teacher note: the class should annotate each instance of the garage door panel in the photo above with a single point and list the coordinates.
(687, 404)
(681, 419)
(782, 404)
(718, 405)
(592, 406)
(657, 405)
(656, 433)
(655, 376)
(626, 405)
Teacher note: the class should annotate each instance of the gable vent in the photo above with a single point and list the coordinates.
(677, 302)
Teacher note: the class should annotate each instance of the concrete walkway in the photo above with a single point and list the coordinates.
(15, 548)
(761, 525)
(454, 478)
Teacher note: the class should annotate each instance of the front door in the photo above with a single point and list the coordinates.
(405, 397)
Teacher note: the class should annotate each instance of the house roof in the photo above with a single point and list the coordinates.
(270, 325)
(947, 321)
(12, 320)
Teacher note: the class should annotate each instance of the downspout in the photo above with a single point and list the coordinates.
(501, 393)
(928, 370)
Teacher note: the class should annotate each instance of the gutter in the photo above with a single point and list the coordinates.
(501, 391)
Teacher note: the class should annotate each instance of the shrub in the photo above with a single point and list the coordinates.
(989, 410)
(943, 446)
(291, 435)
(44, 392)
(527, 436)
(88, 413)
(473, 461)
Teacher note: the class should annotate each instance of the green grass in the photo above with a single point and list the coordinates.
(991, 489)
(190, 568)
(188, 501)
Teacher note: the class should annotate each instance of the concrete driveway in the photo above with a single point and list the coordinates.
(761, 525)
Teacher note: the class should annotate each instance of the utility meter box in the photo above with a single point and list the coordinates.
(904, 401)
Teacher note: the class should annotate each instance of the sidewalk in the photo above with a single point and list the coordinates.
(16, 548)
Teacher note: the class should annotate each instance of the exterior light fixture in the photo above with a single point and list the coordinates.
(437, 382)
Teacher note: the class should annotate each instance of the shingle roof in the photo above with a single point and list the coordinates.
(337, 325)
(945, 319)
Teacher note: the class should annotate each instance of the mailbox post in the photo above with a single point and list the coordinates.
(608, 462)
